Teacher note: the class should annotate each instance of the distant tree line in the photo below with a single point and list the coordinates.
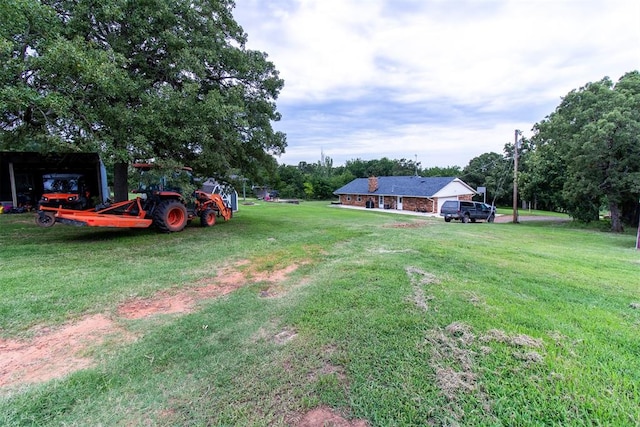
(318, 181)
(583, 159)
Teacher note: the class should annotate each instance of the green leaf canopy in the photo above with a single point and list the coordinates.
(138, 79)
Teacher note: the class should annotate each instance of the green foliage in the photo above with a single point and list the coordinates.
(322, 179)
(138, 80)
(441, 171)
(308, 189)
(490, 170)
(383, 167)
(588, 150)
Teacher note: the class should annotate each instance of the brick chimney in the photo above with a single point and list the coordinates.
(373, 184)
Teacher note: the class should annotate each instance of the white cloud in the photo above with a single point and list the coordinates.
(448, 71)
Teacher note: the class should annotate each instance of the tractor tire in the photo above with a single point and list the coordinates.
(208, 218)
(170, 216)
(45, 219)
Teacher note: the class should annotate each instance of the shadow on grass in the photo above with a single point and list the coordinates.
(105, 234)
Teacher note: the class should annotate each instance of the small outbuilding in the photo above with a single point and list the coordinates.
(409, 193)
(22, 175)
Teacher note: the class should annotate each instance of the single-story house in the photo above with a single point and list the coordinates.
(409, 193)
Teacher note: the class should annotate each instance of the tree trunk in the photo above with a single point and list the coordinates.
(616, 223)
(120, 182)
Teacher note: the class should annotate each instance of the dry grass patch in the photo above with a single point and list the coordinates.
(528, 356)
(391, 251)
(475, 300)
(520, 340)
(453, 362)
(419, 279)
(284, 336)
(454, 355)
(415, 224)
(452, 382)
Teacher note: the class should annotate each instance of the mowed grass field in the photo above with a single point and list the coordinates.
(393, 320)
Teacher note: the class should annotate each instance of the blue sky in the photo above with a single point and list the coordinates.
(442, 81)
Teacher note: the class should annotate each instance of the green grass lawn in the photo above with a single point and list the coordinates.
(392, 319)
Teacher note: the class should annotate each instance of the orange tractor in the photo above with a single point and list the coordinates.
(164, 202)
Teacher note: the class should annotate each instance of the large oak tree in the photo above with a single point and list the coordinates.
(588, 150)
(137, 79)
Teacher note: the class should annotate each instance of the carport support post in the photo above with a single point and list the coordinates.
(12, 182)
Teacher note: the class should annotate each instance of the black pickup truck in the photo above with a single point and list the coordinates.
(467, 211)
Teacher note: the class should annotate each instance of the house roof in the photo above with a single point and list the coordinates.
(416, 186)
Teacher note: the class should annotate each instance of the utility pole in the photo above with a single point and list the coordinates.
(515, 177)
(244, 189)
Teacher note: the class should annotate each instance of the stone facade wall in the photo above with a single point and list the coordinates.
(417, 204)
(414, 204)
(344, 199)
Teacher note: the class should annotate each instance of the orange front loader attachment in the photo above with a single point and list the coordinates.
(215, 202)
(123, 214)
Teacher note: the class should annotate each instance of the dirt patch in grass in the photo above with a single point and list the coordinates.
(183, 300)
(56, 352)
(325, 417)
(416, 224)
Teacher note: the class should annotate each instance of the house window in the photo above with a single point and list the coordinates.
(359, 198)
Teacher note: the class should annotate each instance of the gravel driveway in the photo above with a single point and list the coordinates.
(528, 218)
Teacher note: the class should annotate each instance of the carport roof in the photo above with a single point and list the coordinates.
(47, 161)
